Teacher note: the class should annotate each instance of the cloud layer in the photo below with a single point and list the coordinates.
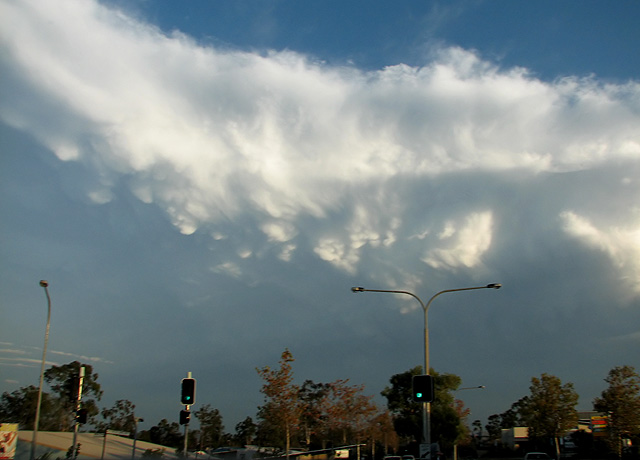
(275, 167)
(212, 136)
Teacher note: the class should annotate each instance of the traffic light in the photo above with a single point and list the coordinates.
(188, 394)
(185, 416)
(81, 416)
(422, 388)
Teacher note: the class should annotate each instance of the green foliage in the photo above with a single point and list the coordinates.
(211, 427)
(446, 424)
(550, 410)
(245, 432)
(407, 414)
(19, 407)
(621, 400)
(57, 407)
(165, 433)
(120, 417)
(63, 381)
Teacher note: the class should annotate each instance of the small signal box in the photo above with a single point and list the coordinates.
(188, 393)
(422, 388)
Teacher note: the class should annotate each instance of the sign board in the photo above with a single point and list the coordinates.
(342, 453)
(8, 440)
(599, 425)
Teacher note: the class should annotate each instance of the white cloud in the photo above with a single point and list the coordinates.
(466, 245)
(339, 155)
(620, 244)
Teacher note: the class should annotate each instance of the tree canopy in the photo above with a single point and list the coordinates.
(446, 420)
(317, 415)
(621, 401)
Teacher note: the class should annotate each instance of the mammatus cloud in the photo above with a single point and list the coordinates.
(467, 244)
(331, 158)
(620, 244)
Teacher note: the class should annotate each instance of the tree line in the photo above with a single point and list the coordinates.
(549, 412)
(321, 415)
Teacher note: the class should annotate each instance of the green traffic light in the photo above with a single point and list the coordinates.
(418, 395)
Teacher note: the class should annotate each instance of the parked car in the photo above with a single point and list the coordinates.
(537, 456)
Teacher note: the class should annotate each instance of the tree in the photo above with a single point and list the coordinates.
(58, 407)
(211, 427)
(314, 398)
(165, 434)
(63, 381)
(120, 417)
(349, 411)
(512, 417)
(406, 414)
(550, 410)
(282, 409)
(621, 400)
(381, 432)
(19, 407)
(245, 431)
(447, 416)
(446, 424)
(494, 427)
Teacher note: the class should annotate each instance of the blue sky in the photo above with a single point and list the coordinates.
(202, 182)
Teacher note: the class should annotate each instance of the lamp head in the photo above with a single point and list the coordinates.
(44, 283)
(494, 286)
(357, 289)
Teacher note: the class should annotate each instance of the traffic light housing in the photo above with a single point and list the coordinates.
(81, 416)
(188, 393)
(185, 416)
(422, 388)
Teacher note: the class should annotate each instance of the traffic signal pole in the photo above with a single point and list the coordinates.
(187, 397)
(186, 433)
(78, 402)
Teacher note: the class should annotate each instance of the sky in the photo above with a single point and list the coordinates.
(201, 183)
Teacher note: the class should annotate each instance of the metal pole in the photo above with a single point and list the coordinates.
(186, 426)
(186, 432)
(426, 407)
(135, 435)
(36, 423)
(77, 408)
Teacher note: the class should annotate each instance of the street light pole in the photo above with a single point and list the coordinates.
(426, 407)
(45, 285)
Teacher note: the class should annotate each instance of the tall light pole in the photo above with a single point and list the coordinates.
(426, 407)
(45, 285)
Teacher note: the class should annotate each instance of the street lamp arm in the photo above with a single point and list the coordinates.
(488, 286)
(361, 289)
